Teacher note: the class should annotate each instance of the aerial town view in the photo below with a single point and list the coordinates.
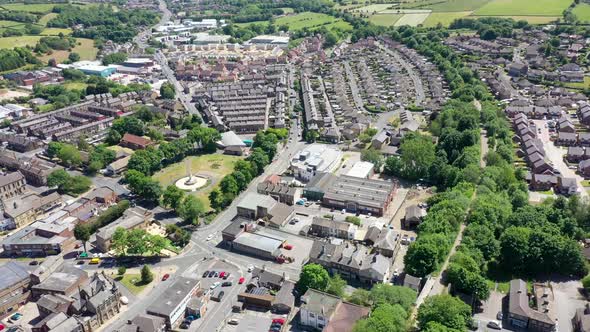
(294, 165)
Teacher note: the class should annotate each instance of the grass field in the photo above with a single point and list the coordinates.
(582, 12)
(385, 19)
(375, 8)
(55, 31)
(32, 8)
(85, 48)
(132, 282)
(444, 18)
(75, 85)
(43, 20)
(312, 21)
(6, 24)
(412, 19)
(457, 5)
(580, 85)
(523, 8)
(20, 41)
(214, 166)
(288, 10)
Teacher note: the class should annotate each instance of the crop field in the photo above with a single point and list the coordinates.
(412, 19)
(456, 5)
(444, 18)
(385, 19)
(523, 8)
(582, 12)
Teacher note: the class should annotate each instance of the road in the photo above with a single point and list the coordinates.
(142, 37)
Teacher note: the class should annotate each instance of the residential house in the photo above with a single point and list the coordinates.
(327, 312)
(414, 215)
(23, 210)
(14, 287)
(581, 320)
(412, 282)
(325, 227)
(256, 206)
(135, 142)
(11, 185)
(132, 218)
(541, 316)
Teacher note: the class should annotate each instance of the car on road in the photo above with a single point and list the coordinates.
(250, 268)
(494, 325)
(34, 263)
(205, 274)
(500, 316)
(80, 262)
(211, 274)
(184, 326)
(226, 284)
(278, 320)
(165, 277)
(226, 275)
(214, 285)
(16, 316)
(241, 280)
(209, 237)
(288, 246)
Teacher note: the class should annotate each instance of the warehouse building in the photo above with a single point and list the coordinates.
(258, 244)
(102, 71)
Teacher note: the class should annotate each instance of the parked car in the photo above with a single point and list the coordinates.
(211, 274)
(216, 274)
(500, 315)
(16, 316)
(288, 246)
(165, 277)
(34, 263)
(250, 268)
(215, 284)
(241, 280)
(278, 320)
(220, 296)
(494, 325)
(226, 284)
(221, 274)
(233, 321)
(205, 274)
(226, 276)
(190, 318)
(184, 326)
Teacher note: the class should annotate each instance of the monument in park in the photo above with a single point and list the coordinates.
(190, 182)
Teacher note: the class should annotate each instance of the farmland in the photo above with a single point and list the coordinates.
(20, 41)
(85, 48)
(412, 19)
(31, 8)
(46, 18)
(312, 21)
(444, 18)
(385, 19)
(523, 8)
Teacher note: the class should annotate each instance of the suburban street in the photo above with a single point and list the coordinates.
(419, 89)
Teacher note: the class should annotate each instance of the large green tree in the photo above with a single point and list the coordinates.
(446, 310)
(191, 209)
(385, 318)
(313, 276)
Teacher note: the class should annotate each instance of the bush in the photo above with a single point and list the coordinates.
(146, 275)
(121, 270)
(586, 282)
(353, 220)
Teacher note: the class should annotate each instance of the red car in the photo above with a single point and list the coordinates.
(241, 280)
(165, 277)
(288, 246)
(221, 274)
(278, 320)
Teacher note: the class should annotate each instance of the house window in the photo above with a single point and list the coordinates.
(311, 315)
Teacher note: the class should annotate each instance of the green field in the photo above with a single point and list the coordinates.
(32, 8)
(20, 41)
(312, 21)
(213, 166)
(412, 19)
(288, 10)
(85, 48)
(443, 18)
(457, 5)
(375, 8)
(75, 85)
(132, 282)
(55, 31)
(385, 20)
(43, 20)
(582, 12)
(523, 8)
(530, 19)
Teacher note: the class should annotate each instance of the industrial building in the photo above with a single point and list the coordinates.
(314, 159)
(172, 304)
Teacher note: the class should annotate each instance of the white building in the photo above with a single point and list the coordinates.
(315, 158)
(361, 169)
(281, 41)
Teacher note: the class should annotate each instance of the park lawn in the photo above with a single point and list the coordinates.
(412, 19)
(213, 166)
(132, 282)
(32, 8)
(305, 20)
(582, 12)
(46, 18)
(385, 20)
(523, 8)
(444, 18)
(456, 5)
(55, 31)
(19, 41)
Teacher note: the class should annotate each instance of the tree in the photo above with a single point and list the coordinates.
(336, 286)
(446, 310)
(313, 276)
(385, 318)
(421, 259)
(117, 57)
(146, 275)
(586, 282)
(82, 233)
(216, 200)
(57, 178)
(167, 91)
(394, 295)
(417, 156)
(113, 137)
(121, 270)
(172, 196)
(191, 209)
(373, 156)
(74, 57)
(360, 296)
(229, 185)
(119, 241)
(69, 155)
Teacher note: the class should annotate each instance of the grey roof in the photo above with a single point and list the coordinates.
(320, 303)
(410, 280)
(229, 138)
(267, 277)
(148, 323)
(254, 200)
(387, 239)
(61, 281)
(12, 273)
(332, 224)
(519, 303)
(167, 303)
(260, 242)
(363, 191)
(130, 218)
(10, 178)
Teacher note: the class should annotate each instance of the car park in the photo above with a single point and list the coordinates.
(214, 285)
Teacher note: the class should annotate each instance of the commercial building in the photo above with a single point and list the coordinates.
(326, 312)
(270, 291)
(361, 169)
(102, 71)
(368, 196)
(172, 304)
(258, 244)
(40, 239)
(282, 192)
(144, 323)
(14, 287)
(539, 318)
(314, 159)
(132, 218)
(280, 41)
(65, 282)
